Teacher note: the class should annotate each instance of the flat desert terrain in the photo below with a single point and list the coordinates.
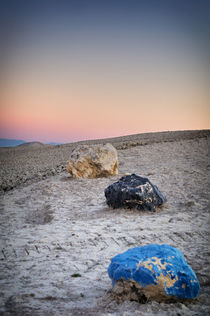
(57, 234)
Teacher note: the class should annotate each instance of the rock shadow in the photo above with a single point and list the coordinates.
(66, 178)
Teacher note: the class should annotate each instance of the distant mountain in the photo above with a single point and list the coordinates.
(54, 144)
(5, 142)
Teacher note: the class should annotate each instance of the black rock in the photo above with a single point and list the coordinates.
(134, 192)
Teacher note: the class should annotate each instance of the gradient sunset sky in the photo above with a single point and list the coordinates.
(73, 70)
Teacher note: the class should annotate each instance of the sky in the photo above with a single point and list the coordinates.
(75, 70)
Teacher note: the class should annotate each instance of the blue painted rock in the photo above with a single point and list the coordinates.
(153, 272)
(134, 192)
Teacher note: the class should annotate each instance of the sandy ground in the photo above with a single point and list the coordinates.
(58, 228)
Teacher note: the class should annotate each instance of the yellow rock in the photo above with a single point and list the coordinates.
(93, 161)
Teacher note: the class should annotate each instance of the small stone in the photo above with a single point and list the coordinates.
(93, 161)
(53, 171)
(153, 272)
(133, 191)
(76, 275)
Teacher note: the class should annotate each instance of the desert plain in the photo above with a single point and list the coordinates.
(57, 234)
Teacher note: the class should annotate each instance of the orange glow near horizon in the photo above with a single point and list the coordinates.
(44, 117)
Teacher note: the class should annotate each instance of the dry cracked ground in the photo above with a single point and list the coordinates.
(58, 235)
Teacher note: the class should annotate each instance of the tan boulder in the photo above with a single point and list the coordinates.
(92, 161)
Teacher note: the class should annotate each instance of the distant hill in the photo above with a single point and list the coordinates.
(32, 144)
(5, 142)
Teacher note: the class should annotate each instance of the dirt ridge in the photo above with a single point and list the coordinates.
(25, 165)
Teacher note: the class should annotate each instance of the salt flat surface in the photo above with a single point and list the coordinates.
(58, 227)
